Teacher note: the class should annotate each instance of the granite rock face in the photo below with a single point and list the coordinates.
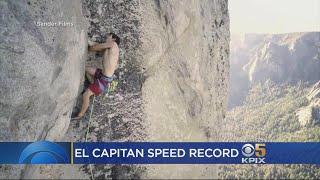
(41, 69)
(173, 77)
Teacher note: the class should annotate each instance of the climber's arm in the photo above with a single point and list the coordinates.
(100, 47)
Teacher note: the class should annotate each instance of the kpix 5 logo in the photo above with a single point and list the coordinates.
(254, 154)
(43, 152)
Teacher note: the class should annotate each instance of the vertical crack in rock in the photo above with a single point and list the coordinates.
(120, 116)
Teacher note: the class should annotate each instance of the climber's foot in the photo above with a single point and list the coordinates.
(77, 117)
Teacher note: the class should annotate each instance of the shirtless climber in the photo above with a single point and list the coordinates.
(102, 78)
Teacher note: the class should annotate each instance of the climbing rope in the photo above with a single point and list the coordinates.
(86, 137)
(111, 88)
(91, 111)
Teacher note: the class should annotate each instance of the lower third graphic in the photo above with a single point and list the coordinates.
(43, 152)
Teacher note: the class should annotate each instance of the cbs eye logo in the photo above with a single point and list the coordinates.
(43, 152)
(259, 150)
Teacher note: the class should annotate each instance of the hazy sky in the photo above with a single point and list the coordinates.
(274, 16)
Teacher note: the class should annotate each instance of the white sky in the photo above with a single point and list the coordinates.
(274, 16)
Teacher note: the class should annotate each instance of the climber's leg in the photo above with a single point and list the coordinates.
(85, 102)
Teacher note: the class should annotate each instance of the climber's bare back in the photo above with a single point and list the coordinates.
(111, 59)
(110, 55)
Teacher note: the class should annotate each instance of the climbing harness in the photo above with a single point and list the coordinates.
(111, 88)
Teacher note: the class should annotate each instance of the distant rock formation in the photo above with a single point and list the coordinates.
(310, 115)
(281, 58)
(286, 58)
(314, 93)
(43, 49)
